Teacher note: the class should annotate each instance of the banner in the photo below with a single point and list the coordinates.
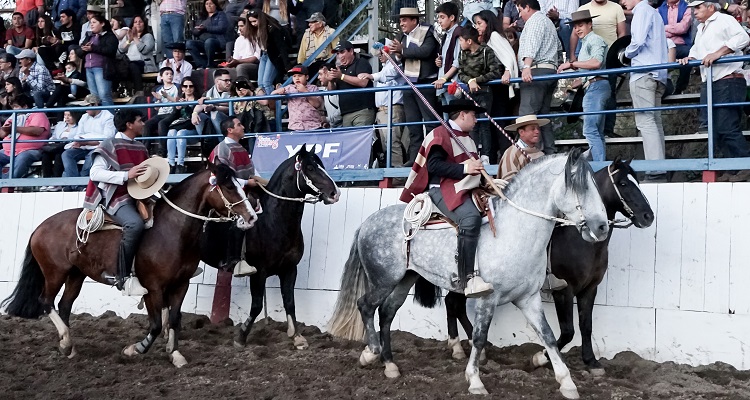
(345, 149)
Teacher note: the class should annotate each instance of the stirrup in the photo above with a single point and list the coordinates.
(133, 287)
(477, 287)
(242, 268)
(553, 283)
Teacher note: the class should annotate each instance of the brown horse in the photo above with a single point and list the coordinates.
(167, 257)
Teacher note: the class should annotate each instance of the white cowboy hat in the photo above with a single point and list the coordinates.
(151, 181)
(410, 12)
(527, 120)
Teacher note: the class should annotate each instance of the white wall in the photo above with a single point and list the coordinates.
(677, 291)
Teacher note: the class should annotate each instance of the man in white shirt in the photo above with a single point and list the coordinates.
(719, 35)
(180, 67)
(94, 126)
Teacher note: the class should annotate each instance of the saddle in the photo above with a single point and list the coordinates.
(145, 209)
(480, 196)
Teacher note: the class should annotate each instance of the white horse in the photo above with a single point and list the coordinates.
(376, 274)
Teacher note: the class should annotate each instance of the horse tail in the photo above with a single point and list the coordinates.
(24, 301)
(346, 321)
(426, 294)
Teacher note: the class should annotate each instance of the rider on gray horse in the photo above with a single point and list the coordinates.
(449, 174)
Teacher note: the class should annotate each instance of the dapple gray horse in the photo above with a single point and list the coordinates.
(514, 262)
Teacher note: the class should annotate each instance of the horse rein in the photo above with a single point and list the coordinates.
(622, 200)
(231, 214)
(311, 199)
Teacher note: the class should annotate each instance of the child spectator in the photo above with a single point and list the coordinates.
(303, 111)
(167, 93)
(447, 61)
(478, 65)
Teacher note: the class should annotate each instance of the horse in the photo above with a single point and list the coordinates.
(166, 259)
(376, 274)
(275, 245)
(582, 264)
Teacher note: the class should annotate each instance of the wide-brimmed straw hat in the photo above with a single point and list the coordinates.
(94, 8)
(527, 120)
(461, 105)
(151, 181)
(410, 12)
(578, 16)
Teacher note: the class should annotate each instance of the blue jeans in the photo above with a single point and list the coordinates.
(21, 163)
(99, 86)
(40, 98)
(209, 47)
(595, 99)
(172, 31)
(266, 73)
(178, 146)
(216, 120)
(70, 158)
(564, 32)
(727, 120)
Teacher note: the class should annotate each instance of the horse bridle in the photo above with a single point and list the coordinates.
(231, 215)
(309, 198)
(230, 212)
(625, 205)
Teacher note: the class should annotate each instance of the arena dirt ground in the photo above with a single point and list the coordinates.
(269, 368)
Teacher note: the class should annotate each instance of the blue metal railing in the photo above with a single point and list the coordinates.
(700, 164)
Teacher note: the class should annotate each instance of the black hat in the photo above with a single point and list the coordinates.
(177, 46)
(461, 105)
(343, 45)
(299, 69)
(573, 103)
(243, 83)
(579, 16)
(616, 54)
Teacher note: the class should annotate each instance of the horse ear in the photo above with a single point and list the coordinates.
(303, 149)
(575, 154)
(628, 162)
(616, 160)
(211, 167)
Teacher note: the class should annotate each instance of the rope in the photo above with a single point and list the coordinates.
(416, 214)
(306, 199)
(84, 228)
(189, 214)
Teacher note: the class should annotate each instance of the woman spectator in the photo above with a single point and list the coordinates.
(100, 46)
(274, 46)
(249, 112)
(42, 43)
(118, 27)
(211, 35)
(246, 53)
(182, 126)
(13, 89)
(52, 165)
(138, 47)
(277, 9)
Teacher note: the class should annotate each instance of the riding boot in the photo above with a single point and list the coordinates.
(467, 250)
(126, 282)
(234, 260)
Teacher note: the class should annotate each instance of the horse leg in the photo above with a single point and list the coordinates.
(564, 308)
(176, 298)
(485, 310)
(164, 321)
(367, 304)
(257, 286)
(387, 311)
(73, 286)
(455, 310)
(531, 307)
(287, 280)
(154, 303)
(585, 309)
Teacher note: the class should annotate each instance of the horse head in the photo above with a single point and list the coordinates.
(585, 206)
(621, 192)
(312, 177)
(228, 198)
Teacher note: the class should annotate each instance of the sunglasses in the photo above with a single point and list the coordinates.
(225, 80)
(188, 86)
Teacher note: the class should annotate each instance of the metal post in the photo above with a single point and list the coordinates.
(13, 130)
(372, 30)
(710, 114)
(389, 145)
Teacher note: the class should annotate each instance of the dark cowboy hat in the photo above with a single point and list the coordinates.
(177, 46)
(573, 103)
(616, 54)
(461, 105)
(578, 16)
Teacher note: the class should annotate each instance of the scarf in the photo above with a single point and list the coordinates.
(415, 38)
(504, 52)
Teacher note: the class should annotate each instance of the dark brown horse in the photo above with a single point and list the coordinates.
(167, 258)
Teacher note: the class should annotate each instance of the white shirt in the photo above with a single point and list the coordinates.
(95, 128)
(564, 7)
(388, 77)
(101, 173)
(186, 69)
(243, 49)
(718, 31)
(62, 131)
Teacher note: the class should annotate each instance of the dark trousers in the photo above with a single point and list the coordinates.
(469, 222)
(482, 134)
(158, 125)
(135, 70)
(52, 164)
(727, 120)
(684, 79)
(611, 104)
(417, 111)
(536, 97)
(132, 230)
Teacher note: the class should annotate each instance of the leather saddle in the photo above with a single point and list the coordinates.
(145, 209)
(481, 197)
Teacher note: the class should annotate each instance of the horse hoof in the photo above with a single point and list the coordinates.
(66, 350)
(177, 359)
(478, 390)
(391, 370)
(130, 351)
(597, 372)
(569, 393)
(300, 343)
(539, 359)
(458, 355)
(367, 357)
(238, 345)
(475, 384)
(457, 351)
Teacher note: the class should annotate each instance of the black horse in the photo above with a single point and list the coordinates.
(275, 244)
(580, 263)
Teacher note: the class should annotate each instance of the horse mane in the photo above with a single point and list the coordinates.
(577, 180)
(531, 169)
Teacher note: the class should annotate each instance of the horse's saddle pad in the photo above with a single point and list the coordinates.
(145, 210)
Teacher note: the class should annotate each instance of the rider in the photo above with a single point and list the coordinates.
(116, 162)
(514, 159)
(448, 174)
(231, 153)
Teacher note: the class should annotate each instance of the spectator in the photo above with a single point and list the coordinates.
(35, 78)
(303, 10)
(313, 38)
(303, 111)
(477, 66)
(537, 55)
(418, 49)
(246, 54)
(597, 91)
(68, 88)
(512, 18)
(473, 7)
(42, 43)
(274, 46)
(677, 18)
(357, 109)
(20, 36)
(52, 164)
(7, 69)
(181, 126)
(719, 35)
(251, 113)
(13, 88)
(138, 46)
(128, 10)
(559, 11)
(30, 126)
(100, 46)
(181, 68)
(388, 76)
(210, 35)
(93, 127)
(76, 7)
(276, 9)
(66, 34)
(91, 11)
(648, 45)
(159, 124)
(330, 102)
(119, 29)
(30, 10)
(447, 61)
(528, 128)
(172, 14)
(205, 115)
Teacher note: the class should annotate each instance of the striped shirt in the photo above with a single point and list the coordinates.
(513, 160)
